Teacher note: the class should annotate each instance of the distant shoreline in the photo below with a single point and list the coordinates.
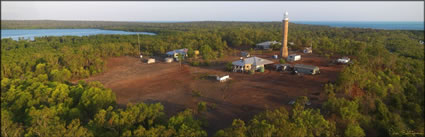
(380, 25)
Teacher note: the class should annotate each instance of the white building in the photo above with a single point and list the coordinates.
(267, 44)
(294, 57)
(244, 65)
(168, 60)
(343, 60)
(306, 69)
(151, 61)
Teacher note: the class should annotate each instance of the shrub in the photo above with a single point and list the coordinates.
(251, 71)
(202, 106)
(196, 93)
(206, 63)
(195, 63)
(282, 61)
(229, 66)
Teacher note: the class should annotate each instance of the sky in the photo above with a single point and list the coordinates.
(214, 11)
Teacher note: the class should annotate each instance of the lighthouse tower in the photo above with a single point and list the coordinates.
(284, 49)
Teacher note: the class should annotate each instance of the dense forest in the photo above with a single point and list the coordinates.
(380, 94)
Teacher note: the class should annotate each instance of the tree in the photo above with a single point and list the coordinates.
(61, 75)
(354, 130)
(282, 61)
(8, 127)
(96, 98)
(237, 129)
(202, 106)
(180, 58)
(185, 125)
(207, 52)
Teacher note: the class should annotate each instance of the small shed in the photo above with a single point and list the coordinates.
(306, 69)
(294, 57)
(308, 50)
(291, 43)
(168, 60)
(267, 44)
(151, 61)
(343, 60)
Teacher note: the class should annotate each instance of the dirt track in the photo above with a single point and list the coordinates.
(244, 96)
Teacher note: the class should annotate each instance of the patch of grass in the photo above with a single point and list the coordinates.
(202, 106)
(201, 76)
(252, 71)
(196, 93)
(229, 66)
(194, 63)
(213, 106)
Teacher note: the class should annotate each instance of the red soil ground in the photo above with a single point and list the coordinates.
(244, 96)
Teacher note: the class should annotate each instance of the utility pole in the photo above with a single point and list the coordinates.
(138, 43)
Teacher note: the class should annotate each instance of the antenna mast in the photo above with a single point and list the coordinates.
(138, 43)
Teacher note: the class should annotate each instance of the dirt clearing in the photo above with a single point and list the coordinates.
(244, 96)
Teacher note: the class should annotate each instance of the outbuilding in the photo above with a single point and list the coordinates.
(151, 61)
(291, 43)
(308, 50)
(306, 69)
(343, 60)
(294, 57)
(267, 44)
(168, 60)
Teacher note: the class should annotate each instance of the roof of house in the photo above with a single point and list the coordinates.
(179, 51)
(268, 43)
(253, 61)
(305, 66)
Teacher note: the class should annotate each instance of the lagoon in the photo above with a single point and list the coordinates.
(15, 34)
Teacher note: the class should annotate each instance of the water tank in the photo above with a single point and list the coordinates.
(261, 69)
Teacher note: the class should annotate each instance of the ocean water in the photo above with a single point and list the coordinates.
(372, 25)
(15, 34)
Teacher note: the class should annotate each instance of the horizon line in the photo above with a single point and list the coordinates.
(169, 21)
